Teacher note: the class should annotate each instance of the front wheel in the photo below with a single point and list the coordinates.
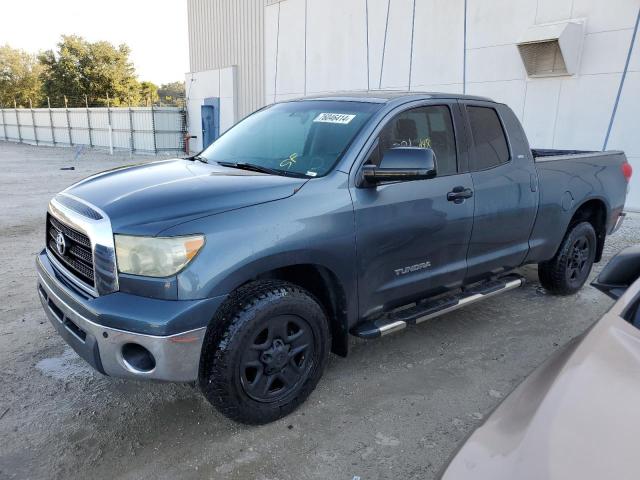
(265, 352)
(567, 271)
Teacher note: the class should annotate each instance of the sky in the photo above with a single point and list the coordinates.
(156, 30)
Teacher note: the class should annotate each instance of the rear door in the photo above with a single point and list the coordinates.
(410, 238)
(505, 189)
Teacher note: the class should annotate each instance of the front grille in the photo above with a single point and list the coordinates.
(77, 256)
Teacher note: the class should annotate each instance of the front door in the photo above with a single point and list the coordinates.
(411, 239)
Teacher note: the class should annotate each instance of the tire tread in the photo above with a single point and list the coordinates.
(215, 371)
(552, 273)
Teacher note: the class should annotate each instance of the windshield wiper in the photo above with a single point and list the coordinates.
(250, 166)
(259, 168)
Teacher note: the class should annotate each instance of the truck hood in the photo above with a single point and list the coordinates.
(147, 199)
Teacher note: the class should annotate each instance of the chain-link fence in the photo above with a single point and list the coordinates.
(137, 129)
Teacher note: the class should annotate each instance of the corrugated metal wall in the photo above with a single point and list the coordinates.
(223, 33)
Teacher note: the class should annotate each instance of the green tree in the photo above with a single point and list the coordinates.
(172, 93)
(98, 70)
(148, 93)
(19, 78)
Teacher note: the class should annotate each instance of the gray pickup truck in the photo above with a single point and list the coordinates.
(242, 267)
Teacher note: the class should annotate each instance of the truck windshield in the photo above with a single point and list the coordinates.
(300, 138)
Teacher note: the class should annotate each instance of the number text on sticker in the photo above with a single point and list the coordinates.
(341, 118)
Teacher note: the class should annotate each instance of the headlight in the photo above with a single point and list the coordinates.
(155, 257)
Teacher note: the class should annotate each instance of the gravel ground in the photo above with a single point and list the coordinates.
(396, 408)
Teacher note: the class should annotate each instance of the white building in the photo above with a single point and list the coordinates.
(570, 69)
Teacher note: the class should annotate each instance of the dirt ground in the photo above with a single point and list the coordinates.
(396, 408)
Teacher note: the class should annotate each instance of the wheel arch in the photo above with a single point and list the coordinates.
(595, 211)
(327, 288)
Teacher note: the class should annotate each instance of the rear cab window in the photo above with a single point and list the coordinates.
(490, 141)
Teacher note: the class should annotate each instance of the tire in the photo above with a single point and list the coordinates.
(264, 352)
(567, 271)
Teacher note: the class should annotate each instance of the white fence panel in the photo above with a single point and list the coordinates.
(143, 137)
(44, 132)
(143, 129)
(79, 126)
(61, 130)
(99, 126)
(167, 125)
(25, 122)
(11, 130)
(121, 128)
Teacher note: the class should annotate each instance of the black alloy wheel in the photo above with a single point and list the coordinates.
(578, 260)
(279, 357)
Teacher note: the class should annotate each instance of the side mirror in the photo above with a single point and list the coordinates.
(402, 164)
(621, 271)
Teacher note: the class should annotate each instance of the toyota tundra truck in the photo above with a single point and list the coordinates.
(242, 267)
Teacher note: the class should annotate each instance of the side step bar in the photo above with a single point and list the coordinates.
(428, 309)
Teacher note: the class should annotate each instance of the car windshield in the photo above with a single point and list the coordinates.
(300, 138)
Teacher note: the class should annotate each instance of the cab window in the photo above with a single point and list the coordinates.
(426, 127)
(490, 143)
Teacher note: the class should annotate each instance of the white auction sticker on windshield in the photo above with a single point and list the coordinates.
(341, 118)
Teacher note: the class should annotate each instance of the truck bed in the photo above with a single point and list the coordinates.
(566, 178)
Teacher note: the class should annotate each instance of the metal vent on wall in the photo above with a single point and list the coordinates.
(552, 49)
(542, 59)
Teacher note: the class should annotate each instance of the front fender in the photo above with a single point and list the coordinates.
(314, 226)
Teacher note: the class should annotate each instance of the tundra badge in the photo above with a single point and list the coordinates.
(412, 268)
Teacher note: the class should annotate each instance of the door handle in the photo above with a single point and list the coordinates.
(459, 194)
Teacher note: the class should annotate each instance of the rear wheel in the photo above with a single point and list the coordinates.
(569, 269)
(265, 352)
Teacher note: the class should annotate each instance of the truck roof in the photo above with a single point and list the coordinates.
(385, 96)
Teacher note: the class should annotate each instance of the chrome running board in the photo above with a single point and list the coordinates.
(428, 309)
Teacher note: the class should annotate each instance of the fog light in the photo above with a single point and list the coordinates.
(138, 358)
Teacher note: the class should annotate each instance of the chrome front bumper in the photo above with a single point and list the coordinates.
(177, 357)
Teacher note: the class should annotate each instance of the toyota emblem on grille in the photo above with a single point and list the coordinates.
(61, 244)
